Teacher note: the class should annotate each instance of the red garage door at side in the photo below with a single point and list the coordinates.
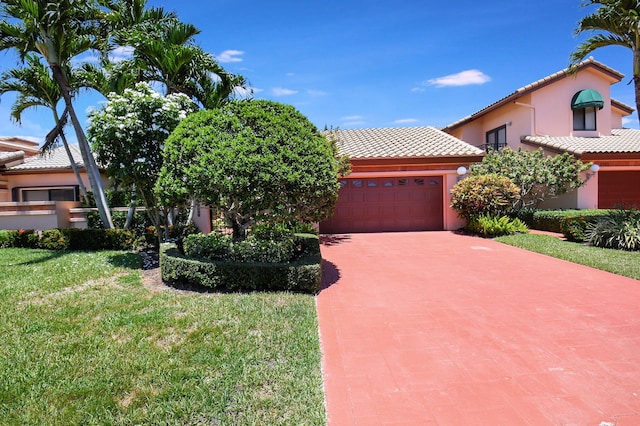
(387, 205)
(619, 189)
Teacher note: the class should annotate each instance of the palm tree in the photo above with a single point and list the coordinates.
(36, 88)
(172, 58)
(58, 30)
(617, 23)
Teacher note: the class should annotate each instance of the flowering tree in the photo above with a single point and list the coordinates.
(128, 135)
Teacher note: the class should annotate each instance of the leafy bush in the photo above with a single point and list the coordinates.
(620, 229)
(303, 274)
(493, 226)
(270, 244)
(53, 239)
(539, 177)
(213, 246)
(575, 223)
(489, 194)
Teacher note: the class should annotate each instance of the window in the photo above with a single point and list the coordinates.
(496, 138)
(69, 193)
(584, 118)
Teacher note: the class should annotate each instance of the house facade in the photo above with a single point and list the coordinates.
(569, 111)
(401, 180)
(39, 191)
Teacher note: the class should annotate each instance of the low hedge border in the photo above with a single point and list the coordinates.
(571, 223)
(302, 275)
(70, 239)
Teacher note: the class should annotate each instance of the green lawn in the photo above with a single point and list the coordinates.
(616, 261)
(82, 341)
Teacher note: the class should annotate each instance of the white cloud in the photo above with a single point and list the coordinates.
(316, 92)
(245, 92)
(230, 56)
(405, 121)
(281, 91)
(121, 53)
(353, 123)
(418, 89)
(464, 78)
(352, 118)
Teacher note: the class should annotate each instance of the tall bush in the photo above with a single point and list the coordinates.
(489, 194)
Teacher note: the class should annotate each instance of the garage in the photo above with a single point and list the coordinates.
(618, 189)
(388, 204)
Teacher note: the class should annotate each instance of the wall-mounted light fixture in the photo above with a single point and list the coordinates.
(461, 171)
(592, 170)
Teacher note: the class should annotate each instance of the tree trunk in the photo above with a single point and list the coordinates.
(74, 166)
(89, 162)
(132, 209)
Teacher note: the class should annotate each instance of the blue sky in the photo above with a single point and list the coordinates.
(355, 64)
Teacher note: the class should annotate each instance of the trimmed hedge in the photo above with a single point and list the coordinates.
(70, 239)
(571, 223)
(303, 274)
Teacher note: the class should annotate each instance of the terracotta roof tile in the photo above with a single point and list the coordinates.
(416, 142)
(620, 141)
(54, 160)
(6, 157)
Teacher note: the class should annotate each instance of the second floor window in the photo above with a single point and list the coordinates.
(584, 118)
(496, 139)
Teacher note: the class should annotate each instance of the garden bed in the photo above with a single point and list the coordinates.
(301, 275)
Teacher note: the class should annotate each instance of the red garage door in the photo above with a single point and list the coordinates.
(618, 189)
(387, 204)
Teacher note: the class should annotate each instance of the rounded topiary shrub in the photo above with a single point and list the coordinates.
(489, 194)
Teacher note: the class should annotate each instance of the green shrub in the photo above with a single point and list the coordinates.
(213, 246)
(493, 226)
(5, 238)
(574, 224)
(303, 274)
(484, 195)
(53, 239)
(271, 244)
(620, 229)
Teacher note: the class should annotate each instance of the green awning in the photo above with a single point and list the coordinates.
(587, 98)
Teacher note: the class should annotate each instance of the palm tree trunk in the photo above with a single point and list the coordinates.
(74, 166)
(89, 162)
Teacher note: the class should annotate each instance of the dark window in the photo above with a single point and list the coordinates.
(584, 118)
(496, 139)
(49, 194)
(419, 181)
(403, 182)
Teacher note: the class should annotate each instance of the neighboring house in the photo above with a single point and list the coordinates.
(401, 180)
(38, 191)
(567, 112)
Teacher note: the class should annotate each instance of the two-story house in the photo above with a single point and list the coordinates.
(569, 111)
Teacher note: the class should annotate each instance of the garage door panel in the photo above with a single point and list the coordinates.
(618, 189)
(386, 204)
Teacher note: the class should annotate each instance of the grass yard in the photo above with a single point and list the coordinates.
(83, 341)
(619, 262)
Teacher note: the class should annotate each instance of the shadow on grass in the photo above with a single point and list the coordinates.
(126, 260)
(47, 255)
(334, 239)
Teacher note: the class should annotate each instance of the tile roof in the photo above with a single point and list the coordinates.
(620, 141)
(591, 63)
(55, 160)
(6, 157)
(405, 142)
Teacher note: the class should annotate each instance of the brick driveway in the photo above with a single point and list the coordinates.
(435, 328)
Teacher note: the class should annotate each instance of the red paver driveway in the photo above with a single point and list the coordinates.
(436, 328)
